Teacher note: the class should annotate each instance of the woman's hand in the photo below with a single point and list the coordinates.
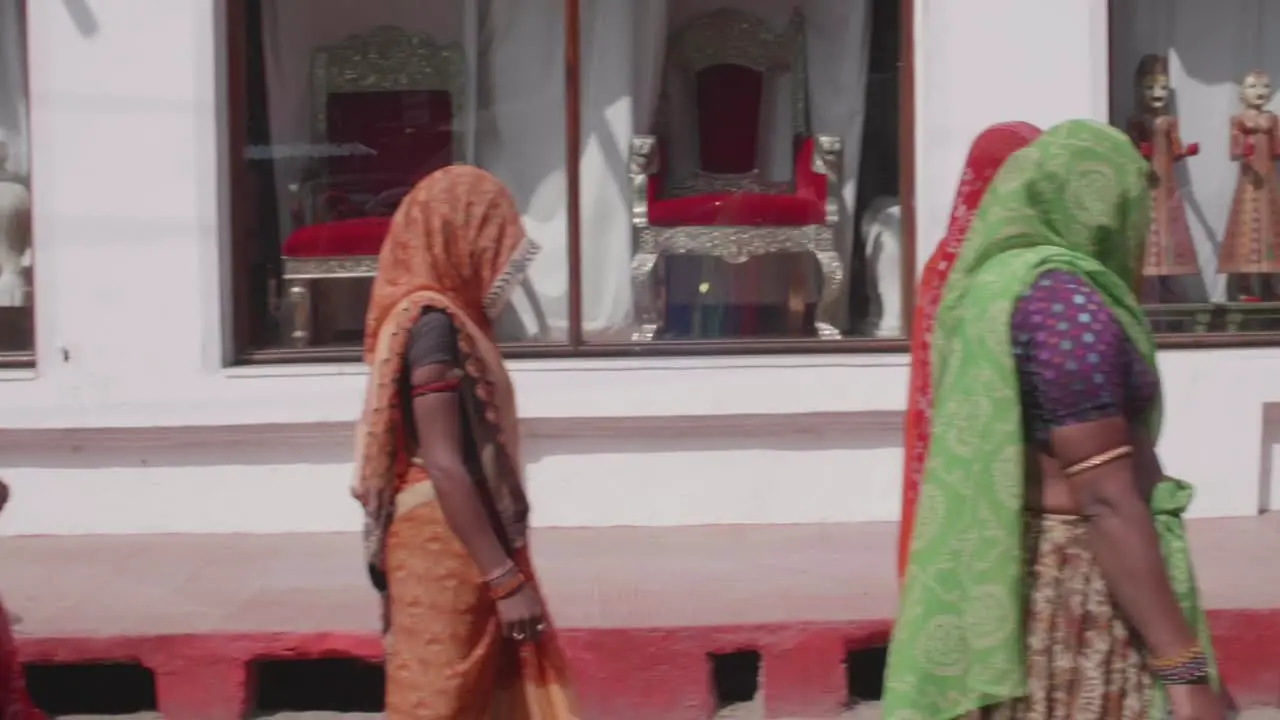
(521, 614)
(1196, 702)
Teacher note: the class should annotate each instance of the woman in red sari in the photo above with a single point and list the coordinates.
(14, 703)
(993, 146)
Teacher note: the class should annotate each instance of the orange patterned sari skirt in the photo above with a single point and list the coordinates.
(446, 656)
(1083, 661)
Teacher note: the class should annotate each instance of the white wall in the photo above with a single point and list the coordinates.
(138, 428)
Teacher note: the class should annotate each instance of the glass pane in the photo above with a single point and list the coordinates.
(739, 170)
(17, 319)
(1180, 87)
(349, 104)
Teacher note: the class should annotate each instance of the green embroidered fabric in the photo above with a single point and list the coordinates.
(1076, 199)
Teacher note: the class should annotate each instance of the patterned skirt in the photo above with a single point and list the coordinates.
(1083, 660)
(446, 656)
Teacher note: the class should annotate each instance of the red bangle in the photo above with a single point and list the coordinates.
(434, 387)
(506, 586)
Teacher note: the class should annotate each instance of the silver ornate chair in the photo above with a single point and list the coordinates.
(386, 108)
(729, 210)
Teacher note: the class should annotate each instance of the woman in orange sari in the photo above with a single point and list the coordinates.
(439, 474)
(988, 153)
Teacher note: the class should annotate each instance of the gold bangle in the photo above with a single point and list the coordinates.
(1099, 460)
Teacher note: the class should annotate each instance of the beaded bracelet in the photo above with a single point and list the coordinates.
(1191, 666)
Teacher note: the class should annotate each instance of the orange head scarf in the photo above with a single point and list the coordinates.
(456, 243)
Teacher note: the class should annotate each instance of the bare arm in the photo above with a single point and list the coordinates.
(1080, 369)
(440, 446)
(1123, 532)
(438, 417)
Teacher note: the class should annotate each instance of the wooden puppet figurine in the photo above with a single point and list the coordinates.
(1170, 250)
(1250, 253)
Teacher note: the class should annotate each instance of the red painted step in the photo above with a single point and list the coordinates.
(640, 609)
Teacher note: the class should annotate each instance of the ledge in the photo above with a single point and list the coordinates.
(547, 389)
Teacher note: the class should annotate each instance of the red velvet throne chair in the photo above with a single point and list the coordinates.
(730, 210)
(384, 110)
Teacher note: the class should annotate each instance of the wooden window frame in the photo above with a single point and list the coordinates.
(242, 229)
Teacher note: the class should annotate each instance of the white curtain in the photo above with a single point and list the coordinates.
(1210, 47)
(13, 86)
(839, 45)
(520, 137)
(623, 52)
(623, 48)
(514, 121)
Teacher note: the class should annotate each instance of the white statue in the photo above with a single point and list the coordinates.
(882, 233)
(15, 234)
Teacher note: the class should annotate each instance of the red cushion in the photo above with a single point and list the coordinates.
(411, 133)
(809, 183)
(341, 238)
(729, 100)
(737, 209)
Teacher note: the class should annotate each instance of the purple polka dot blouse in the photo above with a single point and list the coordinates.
(1075, 362)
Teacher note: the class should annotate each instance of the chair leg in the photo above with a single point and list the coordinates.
(300, 299)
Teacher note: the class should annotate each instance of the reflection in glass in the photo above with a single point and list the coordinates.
(16, 315)
(350, 104)
(758, 195)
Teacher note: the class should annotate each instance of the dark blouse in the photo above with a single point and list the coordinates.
(1075, 362)
(433, 340)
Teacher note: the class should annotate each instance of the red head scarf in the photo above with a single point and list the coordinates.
(993, 146)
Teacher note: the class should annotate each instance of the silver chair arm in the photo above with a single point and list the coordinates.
(643, 163)
(828, 156)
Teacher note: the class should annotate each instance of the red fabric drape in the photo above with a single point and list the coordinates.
(14, 703)
(988, 153)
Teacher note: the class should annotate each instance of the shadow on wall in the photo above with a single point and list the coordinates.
(86, 21)
(813, 432)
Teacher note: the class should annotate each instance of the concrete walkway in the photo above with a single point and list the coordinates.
(640, 608)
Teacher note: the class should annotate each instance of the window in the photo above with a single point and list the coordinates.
(17, 319)
(1191, 84)
(736, 177)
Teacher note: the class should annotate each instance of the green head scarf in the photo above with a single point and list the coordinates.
(1076, 199)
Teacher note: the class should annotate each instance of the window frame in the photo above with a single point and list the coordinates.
(242, 238)
(26, 359)
(1187, 341)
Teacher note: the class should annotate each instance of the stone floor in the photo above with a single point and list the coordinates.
(594, 578)
(690, 577)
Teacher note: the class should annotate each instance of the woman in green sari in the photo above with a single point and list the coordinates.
(1048, 574)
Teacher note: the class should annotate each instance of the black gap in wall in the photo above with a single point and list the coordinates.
(94, 689)
(735, 677)
(864, 674)
(333, 685)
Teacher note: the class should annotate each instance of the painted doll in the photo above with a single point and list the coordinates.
(1250, 252)
(1170, 250)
